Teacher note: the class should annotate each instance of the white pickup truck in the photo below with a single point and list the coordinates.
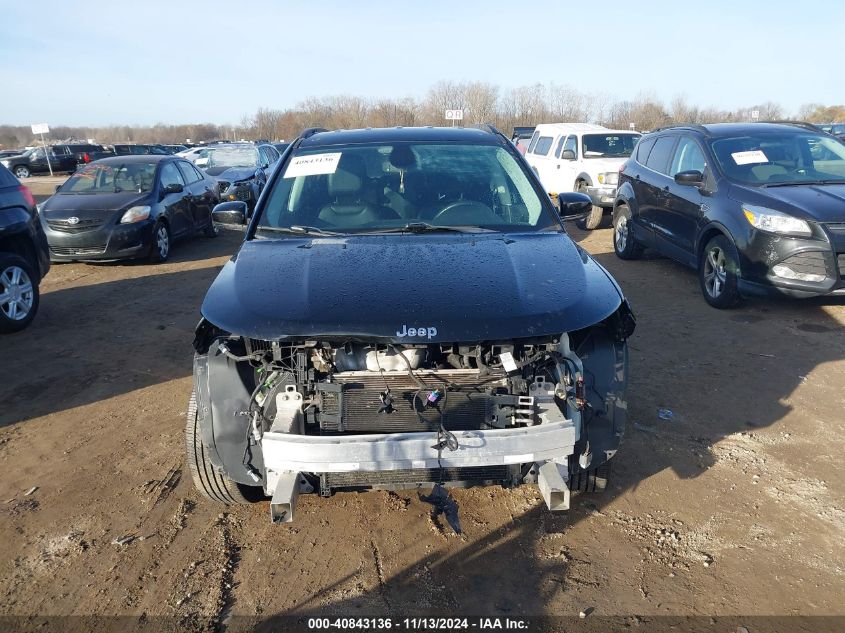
(581, 157)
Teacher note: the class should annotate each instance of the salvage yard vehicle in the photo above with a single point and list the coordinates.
(406, 309)
(35, 161)
(241, 170)
(128, 206)
(24, 259)
(581, 157)
(757, 209)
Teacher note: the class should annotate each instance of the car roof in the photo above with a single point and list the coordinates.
(137, 158)
(394, 134)
(717, 130)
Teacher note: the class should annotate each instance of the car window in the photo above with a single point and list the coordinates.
(367, 187)
(110, 178)
(263, 157)
(658, 159)
(272, 155)
(533, 142)
(139, 149)
(188, 172)
(608, 145)
(643, 149)
(543, 145)
(559, 147)
(786, 157)
(571, 144)
(688, 157)
(170, 175)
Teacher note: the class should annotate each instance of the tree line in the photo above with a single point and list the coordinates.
(481, 102)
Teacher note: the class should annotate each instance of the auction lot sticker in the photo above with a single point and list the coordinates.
(313, 165)
(749, 158)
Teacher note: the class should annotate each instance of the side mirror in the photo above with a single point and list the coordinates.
(173, 187)
(230, 212)
(693, 178)
(572, 205)
(568, 154)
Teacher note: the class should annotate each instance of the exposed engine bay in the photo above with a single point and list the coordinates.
(354, 414)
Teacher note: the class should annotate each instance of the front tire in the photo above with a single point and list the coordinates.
(718, 273)
(19, 295)
(624, 244)
(593, 220)
(211, 230)
(22, 172)
(590, 480)
(208, 482)
(160, 250)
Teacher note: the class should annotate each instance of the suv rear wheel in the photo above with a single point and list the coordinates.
(624, 244)
(18, 293)
(210, 483)
(717, 272)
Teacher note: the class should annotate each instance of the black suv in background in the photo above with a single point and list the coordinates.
(64, 157)
(24, 258)
(756, 208)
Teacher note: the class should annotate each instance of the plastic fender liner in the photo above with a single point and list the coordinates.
(225, 427)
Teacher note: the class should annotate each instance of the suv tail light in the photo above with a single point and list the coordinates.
(27, 195)
(86, 158)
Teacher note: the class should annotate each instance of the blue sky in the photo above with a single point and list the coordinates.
(147, 61)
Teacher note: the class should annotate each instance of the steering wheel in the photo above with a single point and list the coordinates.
(466, 212)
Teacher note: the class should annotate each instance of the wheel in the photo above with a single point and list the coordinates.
(624, 244)
(593, 220)
(22, 172)
(18, 293)
(161, 243)
(211, 230)
(591, 480)
(211, 484)
(717, 273)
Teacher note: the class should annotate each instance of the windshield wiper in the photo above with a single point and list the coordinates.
(297, 229)
(425, 227)
(793, 183)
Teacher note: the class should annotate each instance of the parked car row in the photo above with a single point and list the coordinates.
(66, 157)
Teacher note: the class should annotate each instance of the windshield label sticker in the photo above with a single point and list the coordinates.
(313, 165)
(749, 158)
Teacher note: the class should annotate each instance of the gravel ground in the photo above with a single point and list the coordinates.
(735, 507)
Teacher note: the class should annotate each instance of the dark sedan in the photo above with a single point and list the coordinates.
(128, 206)
(241, 170)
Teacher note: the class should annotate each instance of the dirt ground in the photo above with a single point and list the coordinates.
(734, 507)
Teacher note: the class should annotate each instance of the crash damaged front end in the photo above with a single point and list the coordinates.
(322, 415)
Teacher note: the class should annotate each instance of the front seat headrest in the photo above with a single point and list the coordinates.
(349, 177)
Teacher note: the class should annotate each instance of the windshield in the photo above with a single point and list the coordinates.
(790, 158)
(233, 157)
(366, 188)
(101, 178)
(609, 145)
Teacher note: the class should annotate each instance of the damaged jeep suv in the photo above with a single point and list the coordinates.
(406, 310)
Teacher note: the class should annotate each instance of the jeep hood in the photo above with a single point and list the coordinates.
(466, 287)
